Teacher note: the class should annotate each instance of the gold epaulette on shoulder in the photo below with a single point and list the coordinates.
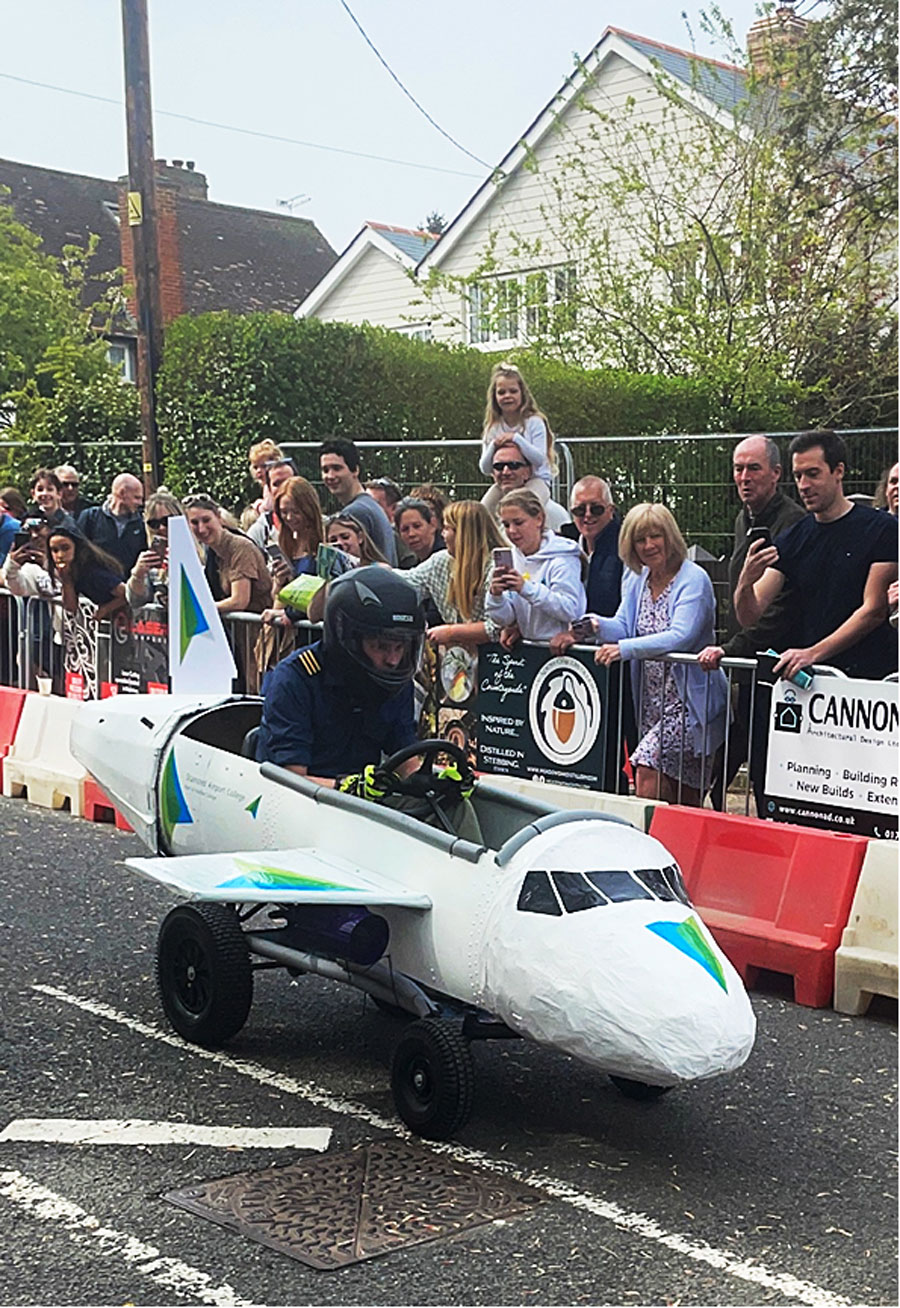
(308, 662)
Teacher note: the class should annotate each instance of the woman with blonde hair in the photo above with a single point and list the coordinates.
(667, 606)
(149, 576)
(349, 535)
(543, 591)
(457, 578)
(513, 417)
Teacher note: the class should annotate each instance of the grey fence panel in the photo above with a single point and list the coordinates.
(690, 473)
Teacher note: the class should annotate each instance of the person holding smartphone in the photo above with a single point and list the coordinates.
(148, 580)
(764, 514)
(542, 592)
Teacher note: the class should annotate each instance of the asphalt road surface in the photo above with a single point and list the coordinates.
(773, 1185)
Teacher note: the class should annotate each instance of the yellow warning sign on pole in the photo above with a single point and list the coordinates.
(135, 209)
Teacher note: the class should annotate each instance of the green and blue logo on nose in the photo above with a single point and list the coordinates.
(688, 937)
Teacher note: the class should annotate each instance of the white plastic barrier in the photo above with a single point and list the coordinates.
(866, 961)
(636, 811)
(39, 764)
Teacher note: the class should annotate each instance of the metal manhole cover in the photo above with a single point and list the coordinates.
(336, 1209)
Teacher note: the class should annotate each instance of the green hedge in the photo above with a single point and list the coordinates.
(229, 381)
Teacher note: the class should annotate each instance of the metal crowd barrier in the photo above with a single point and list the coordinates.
(37, 641)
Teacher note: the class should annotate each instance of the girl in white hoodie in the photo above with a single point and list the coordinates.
(543, 590)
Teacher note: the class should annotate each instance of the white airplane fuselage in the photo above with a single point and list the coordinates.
(638, 988)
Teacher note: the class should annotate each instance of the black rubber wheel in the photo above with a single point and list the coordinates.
(203, 972)
(432, 1078)
(639, 1090)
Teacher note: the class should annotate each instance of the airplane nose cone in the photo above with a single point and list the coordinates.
(638, 989)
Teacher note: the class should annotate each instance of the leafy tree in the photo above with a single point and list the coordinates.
(58, 393)
(753, 248)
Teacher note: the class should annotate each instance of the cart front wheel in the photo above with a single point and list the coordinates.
(433, 1078)
(203, 971)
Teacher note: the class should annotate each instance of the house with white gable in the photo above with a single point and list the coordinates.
(506, 217)
(371, 282)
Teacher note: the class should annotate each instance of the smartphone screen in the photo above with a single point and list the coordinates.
(503, 560)
(759, 533)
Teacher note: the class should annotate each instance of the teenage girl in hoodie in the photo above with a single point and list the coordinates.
(543, 591)
(511, 415)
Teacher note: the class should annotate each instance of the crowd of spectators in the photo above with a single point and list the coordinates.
(815, 581)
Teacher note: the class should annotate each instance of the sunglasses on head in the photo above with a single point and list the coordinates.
(596, 510)
(511, 465)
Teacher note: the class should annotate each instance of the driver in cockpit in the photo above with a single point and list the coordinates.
(331, 710)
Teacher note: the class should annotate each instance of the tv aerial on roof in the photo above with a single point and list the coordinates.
(295, 202)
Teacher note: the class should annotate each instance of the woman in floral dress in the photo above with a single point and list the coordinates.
(667, 606)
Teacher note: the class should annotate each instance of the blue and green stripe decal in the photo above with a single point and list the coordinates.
(262, 876)
(688, 937)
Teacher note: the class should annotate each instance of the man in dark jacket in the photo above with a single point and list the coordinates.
(757, 473)
(118, 525)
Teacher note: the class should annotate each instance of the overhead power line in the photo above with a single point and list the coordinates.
(407, 93)
(246, 131)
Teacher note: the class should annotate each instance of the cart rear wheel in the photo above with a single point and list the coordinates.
(433, 1078)
(639, 1090)
(203, 971)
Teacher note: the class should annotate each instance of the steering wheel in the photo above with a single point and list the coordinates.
(423, 781)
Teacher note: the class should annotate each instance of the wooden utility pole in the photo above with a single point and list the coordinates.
(141, 217)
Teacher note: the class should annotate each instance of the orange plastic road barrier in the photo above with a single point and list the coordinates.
(98, 807)
(775, 897)
(11, 701)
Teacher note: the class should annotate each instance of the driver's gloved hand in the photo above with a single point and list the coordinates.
(452, 773)
(371, 783)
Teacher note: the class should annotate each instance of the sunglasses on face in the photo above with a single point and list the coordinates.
(596, 510)
(155, 523)
(73, 485)
(511, 466)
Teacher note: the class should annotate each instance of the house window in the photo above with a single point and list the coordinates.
(521, 307)
(696, 270)
(120, 354)
(419, 331)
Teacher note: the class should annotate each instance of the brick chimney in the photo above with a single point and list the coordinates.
(175, 181)
(777, 31)
(182, 176)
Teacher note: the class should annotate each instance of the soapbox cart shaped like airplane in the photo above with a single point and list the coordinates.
(572, 928)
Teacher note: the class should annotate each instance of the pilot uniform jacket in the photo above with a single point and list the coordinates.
(692, 611)
(312, 720)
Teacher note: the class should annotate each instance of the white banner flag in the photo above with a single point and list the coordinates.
(200, 658)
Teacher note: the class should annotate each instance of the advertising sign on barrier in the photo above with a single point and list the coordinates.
(139, 654)
(832, 758)
(546, 718)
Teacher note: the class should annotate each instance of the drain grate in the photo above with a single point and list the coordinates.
(336, 1209)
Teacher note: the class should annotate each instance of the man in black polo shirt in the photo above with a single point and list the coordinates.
(839, 560)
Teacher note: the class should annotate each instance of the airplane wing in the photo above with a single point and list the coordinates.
(276, 876)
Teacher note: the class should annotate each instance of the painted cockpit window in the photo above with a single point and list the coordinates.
(542, 891)
(575, 892)
(536, 895)
(619, 886)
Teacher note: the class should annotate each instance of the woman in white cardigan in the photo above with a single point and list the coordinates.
(667, 606)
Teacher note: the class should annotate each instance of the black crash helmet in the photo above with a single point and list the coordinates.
(374, 602)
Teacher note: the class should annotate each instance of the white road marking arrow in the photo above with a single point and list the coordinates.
(134, 1131)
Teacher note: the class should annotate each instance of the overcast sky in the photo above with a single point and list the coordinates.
(300, 69)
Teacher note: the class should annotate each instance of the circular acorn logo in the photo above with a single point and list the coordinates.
(564, 710)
